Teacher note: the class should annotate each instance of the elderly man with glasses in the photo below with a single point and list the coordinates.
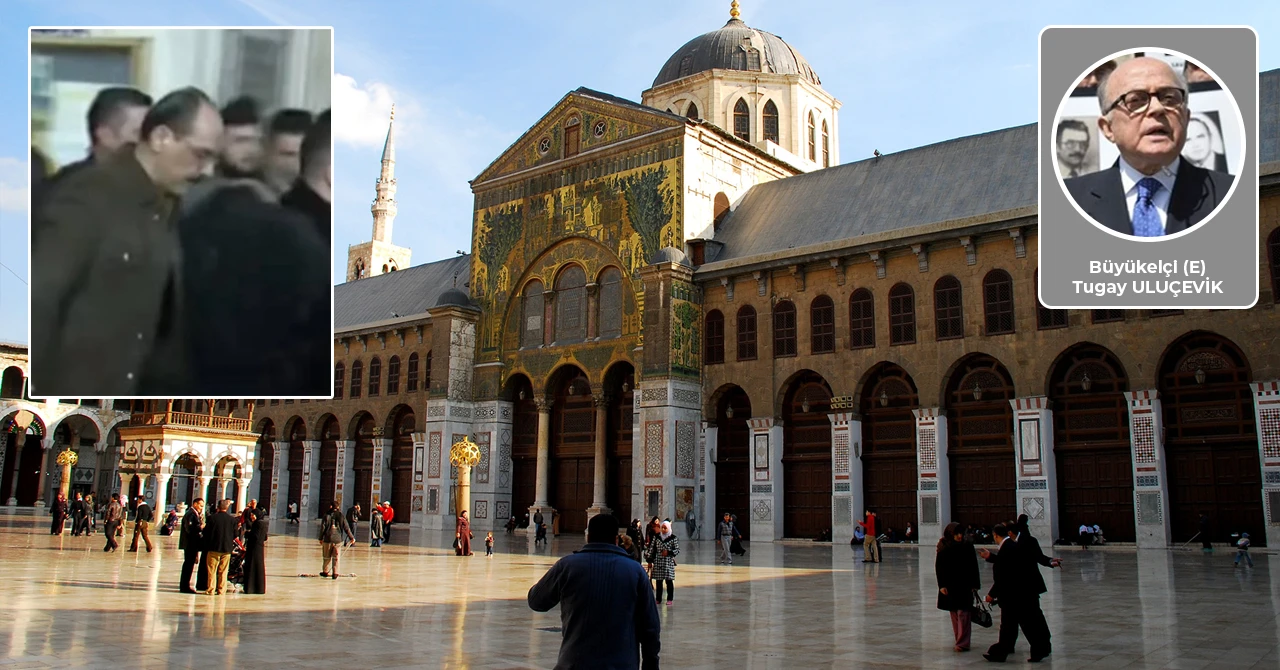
(1150, 191)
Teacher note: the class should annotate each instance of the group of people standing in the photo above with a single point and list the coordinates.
(209, 541)
(1016, 587)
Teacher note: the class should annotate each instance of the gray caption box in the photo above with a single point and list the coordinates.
(1214, 265)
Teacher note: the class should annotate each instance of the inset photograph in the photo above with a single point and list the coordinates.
(181, 217)
(1147, 144)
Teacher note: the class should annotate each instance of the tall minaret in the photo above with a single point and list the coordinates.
(380, 256)
(384, 203)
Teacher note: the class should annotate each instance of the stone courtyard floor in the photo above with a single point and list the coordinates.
(63, 602)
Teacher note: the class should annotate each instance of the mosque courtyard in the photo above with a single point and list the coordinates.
(414, 604)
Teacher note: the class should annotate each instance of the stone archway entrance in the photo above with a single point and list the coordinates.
(571, 464)
(733, 461)
(620, 391)
(524, 447)
(806, 457)
(330, 434)
(24, 459)
(184, 482)
(401, 430)
(889, 476)
(980, 442)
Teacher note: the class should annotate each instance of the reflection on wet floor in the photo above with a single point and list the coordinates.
(414, 604)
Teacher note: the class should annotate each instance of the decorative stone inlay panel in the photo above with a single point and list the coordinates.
(685, 437)
(485, 413)
(482, 509)
(433, 455)
(687, 397)
(506, 412)
(1033, 508)
(843, 510)
(653, 449)
(1033, 484)
(483, 440)
(1149, 512)
(762, 510)
(928, 485)
(433, 499)
(1148, 481)
(840, 445)
(841, 487)
(1269, 429)
(435, 410)
(762, 488)
(503, 510)
(1271, 478)
(458, 411)
(654, 395)
(928, 440)
(504, 450)
(1144, 440)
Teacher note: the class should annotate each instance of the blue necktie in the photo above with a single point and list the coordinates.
(1146, 220)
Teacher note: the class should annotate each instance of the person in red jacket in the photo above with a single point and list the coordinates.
(387, 515)
(870, 547)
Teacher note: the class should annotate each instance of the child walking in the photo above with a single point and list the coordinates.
(488, 544)
(1242, 550)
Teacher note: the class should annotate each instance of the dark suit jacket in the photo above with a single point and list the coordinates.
(191, 537)
(220, 534)
(142, 513)
(1032, 557)
(305, 201)
(1006, 572)
(1196, 192)
(104, 278)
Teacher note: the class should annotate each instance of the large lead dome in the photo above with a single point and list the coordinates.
(736, 46)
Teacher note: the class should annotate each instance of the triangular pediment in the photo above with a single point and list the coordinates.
(602, 119)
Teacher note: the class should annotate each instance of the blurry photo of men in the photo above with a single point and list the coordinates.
(1150, 191)
(105, 283)
(312, 193)
(1073, 144)
(240, 155)
(282, 157)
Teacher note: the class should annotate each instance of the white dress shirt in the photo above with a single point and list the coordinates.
(1129, 178)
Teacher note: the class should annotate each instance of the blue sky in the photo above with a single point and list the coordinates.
(469, 77)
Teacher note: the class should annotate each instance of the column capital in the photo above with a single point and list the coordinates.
(764, 423)
(601, 401)
(1142, 398)
(1030, 403)
(842, 419)
(543, 404)
(928, 413)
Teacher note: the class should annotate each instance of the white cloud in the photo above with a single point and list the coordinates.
(361, 112)
(14, 176)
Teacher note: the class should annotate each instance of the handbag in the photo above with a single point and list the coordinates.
(981, 612)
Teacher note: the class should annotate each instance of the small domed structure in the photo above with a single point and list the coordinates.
(670, 255)
(453, 297)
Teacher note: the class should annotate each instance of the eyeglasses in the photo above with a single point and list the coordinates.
(1137, 102)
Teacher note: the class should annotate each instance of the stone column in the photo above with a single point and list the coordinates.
(280, 481)
(544, 453)
(764, 516)
(593, 301)
(598, 504)
(842, 510)
(1035, 467)
(162, 495)
(1150, 485)
(934, 489)
(710, 515)
(309, 506)
(344, 480)
(202, 491)
(463, 501)
(125, 479)
(45, 445)
(418, 518)
(1266, 403)
(382, 473)
(17, 467)
(242, 493)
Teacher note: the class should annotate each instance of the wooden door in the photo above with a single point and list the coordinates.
(806, 458)
(808, 497)
(295, 474)
(1095, 487)
(363, 476)
(619, 493)
(890, 490)
(571, 495)
(733, 495)
(1223, 481)
(982, 491)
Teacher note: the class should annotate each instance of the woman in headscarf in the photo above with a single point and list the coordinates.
(958, 581)
(255, 552)
(663, 550)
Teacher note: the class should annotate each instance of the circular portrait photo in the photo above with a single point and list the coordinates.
(1147, 144)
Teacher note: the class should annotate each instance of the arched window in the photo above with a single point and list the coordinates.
(771, 122)
(393, 376)
(813, 138)
(375, 377)
(746, 333)
(1047, 319)
(822, 325)
(357, 378)
(948, 308)
(714, 340)
(997, 300)
(692, 112)
(571, 306)
(533, 315)
(572, 137)
(359, 271)
(826, 145)
(862, 320)
(720, 209)
(902, 315)
(610, 319)
(411, 382)
(426, 384)
(784, 329)
(1273, 249)
(742, 120)
(339, 378)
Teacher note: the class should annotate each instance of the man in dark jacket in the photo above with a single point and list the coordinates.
(311, 194)
(190, 541)
(111, 520)
(249, 262)
(220, 538)
(353, 520)
(79, 512)
(1032, 556)
(333, 528)
(109, 233)
(607, 606)
(1016, 586)
(141, 524)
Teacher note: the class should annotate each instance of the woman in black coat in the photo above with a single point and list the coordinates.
(958, 581)
(255, 547)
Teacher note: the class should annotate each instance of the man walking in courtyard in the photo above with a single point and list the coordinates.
(111, 522)
(353, 520)
(726, 533)
(141, 524)
(332, 529)
(607, 607)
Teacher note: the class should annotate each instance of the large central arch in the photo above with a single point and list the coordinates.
(330, 436)
(571, 464)
(980, 441)
(619, 389)
(400, 425)
(806, 456)
(889, 477)
(733, 458)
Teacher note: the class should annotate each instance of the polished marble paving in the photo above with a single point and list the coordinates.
(63, 602)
